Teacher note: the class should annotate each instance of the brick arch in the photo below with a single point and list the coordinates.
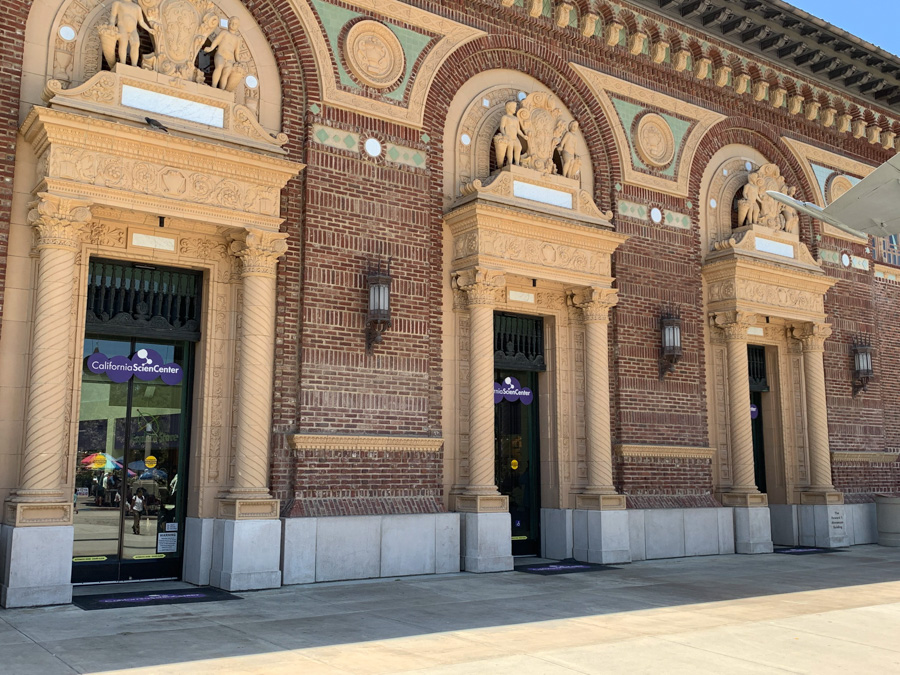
(762, 138)
(515, 53)
(757, 135)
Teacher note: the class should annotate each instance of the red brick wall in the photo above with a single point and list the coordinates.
(665, 482)
(343, 482)
(886, 359)
(860, 481)
(13, 14)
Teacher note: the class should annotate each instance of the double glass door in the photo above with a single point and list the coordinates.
(130, 479)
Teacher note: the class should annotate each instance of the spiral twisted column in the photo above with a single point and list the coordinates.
(58, 222)
(600, 492)
(258, 251)
(481, 287)
(813, 336)
(735, 325)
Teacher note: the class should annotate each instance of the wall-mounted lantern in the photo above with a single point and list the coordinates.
(670, 348)
(378, 317)
(862, 365)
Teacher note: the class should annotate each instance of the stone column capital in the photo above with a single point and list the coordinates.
(58, 220)
(479, 284)
(259, 251)
(595, 302)
(812, 335)
(734, 324)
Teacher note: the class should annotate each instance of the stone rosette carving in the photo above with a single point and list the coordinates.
(374, 54)
(836, 187)
(654, 141)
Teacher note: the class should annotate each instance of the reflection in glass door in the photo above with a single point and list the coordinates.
(517, 456)
(132, 458)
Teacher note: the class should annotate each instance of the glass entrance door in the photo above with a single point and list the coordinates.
(517, 456)
(130, 478)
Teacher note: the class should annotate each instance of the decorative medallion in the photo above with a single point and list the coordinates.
(374, 54)
(654, 141)
(837, 186)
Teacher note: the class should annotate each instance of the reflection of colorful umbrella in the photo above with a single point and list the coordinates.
(100, 460)
(154, 474)
(137, 466)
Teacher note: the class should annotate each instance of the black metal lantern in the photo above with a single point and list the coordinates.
(862, 365)
(670, 348)
(378, 316)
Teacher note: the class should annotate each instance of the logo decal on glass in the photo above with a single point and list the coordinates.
(512, 391)
(754, 411)
(145, 365)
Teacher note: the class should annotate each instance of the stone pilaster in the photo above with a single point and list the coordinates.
(821, 489)
(38, 499)
(600, 494)
(480, 493)
(743, 491)
(249, 498)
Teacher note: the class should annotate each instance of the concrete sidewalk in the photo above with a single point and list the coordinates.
(822, 613)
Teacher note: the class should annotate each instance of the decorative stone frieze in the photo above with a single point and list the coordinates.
(374, 54)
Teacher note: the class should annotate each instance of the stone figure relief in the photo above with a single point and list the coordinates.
(757, 208)
(178, 28)
(533, 136)
(229, 71)
(119, 39)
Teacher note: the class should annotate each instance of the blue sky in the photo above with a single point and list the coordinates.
(876, 21)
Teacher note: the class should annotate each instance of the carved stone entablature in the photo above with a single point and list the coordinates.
(736, 282)
(135, 94)
(767, 244)
(140, 170)
(535, 246)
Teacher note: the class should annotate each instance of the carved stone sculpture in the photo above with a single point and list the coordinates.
(757, 208)
(178, 27)
(531, 135)
(119, 39)
(571, 164)
(508, 142)
(228, 71)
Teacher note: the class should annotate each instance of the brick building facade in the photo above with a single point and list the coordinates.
(549, 182)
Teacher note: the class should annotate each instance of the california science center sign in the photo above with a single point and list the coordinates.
(145, 365)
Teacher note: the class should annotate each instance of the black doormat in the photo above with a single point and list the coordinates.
(568, 566)
(148, 599)
(805, 550)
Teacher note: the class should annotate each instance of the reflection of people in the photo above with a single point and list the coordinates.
(75, 500)
(137, 508)
(227, 43)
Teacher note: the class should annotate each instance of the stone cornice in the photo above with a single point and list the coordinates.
(864, 457)
(365, 443)
(728, 62)
(665, 451)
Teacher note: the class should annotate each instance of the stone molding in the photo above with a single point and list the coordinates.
(452, 36)
(862, 457)
(533, 245)
(665, 451)
(601, 85)
(37, 514)
(116, 165)
(248, 509)
(365, 443)
(481, 503)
